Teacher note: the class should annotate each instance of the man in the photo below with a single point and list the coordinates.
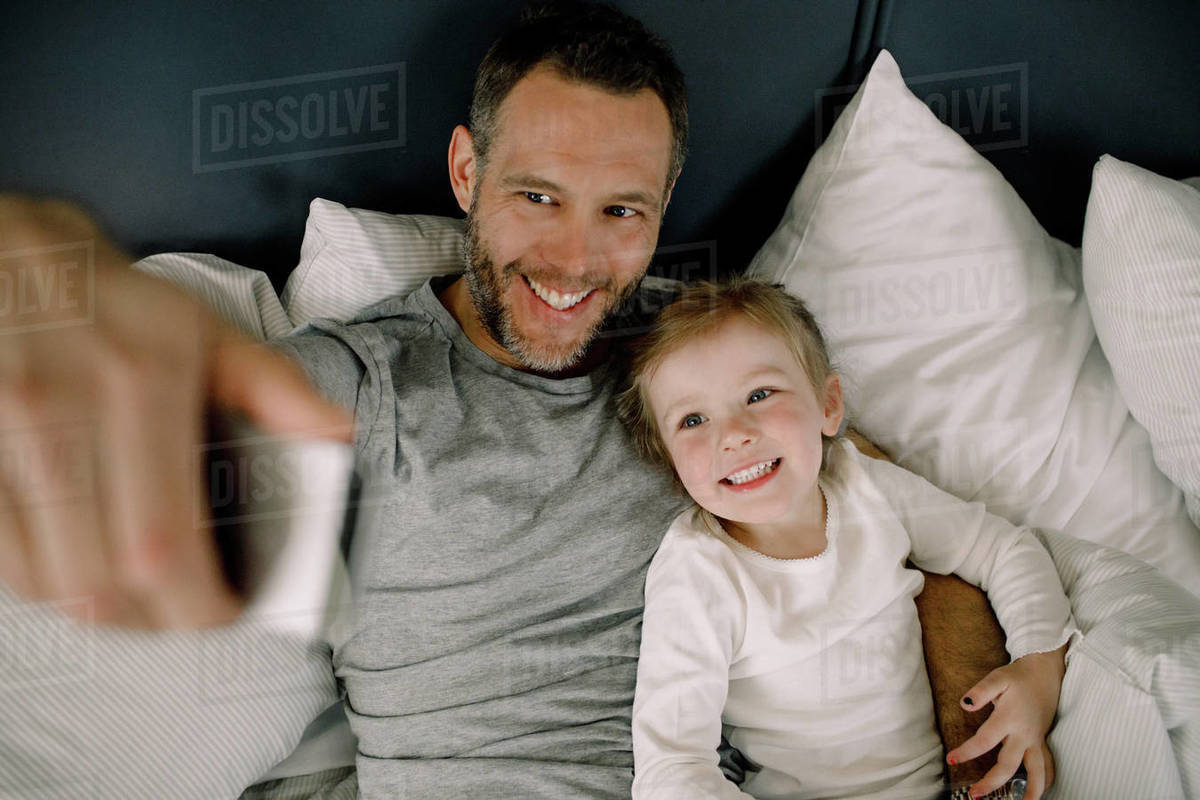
(496, 645)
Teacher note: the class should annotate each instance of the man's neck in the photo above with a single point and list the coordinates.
(457, 300)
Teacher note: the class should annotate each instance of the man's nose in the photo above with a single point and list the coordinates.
(574, 245)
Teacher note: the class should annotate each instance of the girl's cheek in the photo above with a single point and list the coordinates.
(697, 462)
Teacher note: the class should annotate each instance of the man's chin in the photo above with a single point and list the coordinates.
(542, 351)
(543, 346)
(542, 356)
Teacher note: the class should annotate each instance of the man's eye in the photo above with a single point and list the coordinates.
(621, 211)
(691, 421)
(758, 394)
(538, 197)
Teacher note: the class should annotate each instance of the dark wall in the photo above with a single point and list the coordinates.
(97, 104)
(1102, 77)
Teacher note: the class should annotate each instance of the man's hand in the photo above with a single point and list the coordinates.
(104, 386)
(1024, 696)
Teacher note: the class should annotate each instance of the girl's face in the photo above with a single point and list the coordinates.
(742, 423)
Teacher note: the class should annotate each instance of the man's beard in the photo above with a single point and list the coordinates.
(487, 286)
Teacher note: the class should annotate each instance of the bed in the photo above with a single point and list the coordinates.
(1001, 292)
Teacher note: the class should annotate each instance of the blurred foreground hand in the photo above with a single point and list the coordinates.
(106, 377)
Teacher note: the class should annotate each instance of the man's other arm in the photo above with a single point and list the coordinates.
(136, 376)
(963, 642)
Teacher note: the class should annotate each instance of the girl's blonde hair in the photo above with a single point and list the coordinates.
(699, 310)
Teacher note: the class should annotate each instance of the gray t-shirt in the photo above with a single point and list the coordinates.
(496, 648)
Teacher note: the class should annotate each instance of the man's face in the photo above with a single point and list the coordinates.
(564, 217)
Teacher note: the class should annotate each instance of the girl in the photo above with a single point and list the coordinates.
(780, 610)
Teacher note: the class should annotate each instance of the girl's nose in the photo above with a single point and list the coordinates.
(738, 432)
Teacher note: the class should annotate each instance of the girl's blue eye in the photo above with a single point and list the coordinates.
(758, 394)
(691, 421)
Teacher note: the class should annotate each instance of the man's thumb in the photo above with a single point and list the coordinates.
(272, 391)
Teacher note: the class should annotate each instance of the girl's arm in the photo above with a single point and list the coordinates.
(688, 634)
(949, 535)
(963, 642)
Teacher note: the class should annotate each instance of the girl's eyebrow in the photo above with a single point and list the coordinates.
(767, 369)
(670, 411)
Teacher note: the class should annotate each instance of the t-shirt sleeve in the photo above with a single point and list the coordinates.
(950, 535)
(333, 366)
(688, 639)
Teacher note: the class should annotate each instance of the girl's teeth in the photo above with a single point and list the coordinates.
(750, 473)
(554, 299)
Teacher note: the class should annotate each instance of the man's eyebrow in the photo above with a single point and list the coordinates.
(527, 181)
(638, 199)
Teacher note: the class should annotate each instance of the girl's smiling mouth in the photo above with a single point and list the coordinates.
(753, 475)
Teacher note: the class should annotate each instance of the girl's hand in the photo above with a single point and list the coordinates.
(1024, 695)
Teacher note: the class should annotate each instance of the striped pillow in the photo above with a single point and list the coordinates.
(351, 259)
(1141, 272)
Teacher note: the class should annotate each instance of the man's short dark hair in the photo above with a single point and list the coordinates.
(587, 42)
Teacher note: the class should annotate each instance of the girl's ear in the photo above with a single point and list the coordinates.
(834, 410)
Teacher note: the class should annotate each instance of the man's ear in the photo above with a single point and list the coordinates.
(667, 195)
(461, 158)
(834, 409)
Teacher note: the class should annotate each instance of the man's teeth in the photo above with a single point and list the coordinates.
(554, 299)
(750, 473)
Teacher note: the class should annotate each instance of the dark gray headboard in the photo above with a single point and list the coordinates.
(112, 104)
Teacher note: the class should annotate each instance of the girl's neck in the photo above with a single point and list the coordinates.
(800, 536)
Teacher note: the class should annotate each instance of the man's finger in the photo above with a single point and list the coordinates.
(71, 562)
(271, 391)
(164, 553)
(14, 543)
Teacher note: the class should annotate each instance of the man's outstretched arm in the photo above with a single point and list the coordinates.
(963, 643)
(131, 365)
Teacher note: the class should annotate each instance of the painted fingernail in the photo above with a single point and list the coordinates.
(951, 760)
(968, 701)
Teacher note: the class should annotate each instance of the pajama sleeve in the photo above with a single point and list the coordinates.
(689, 633)
(950, 535)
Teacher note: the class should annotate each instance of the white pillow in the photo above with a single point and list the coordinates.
(962, 331)
(352, 258)
(1141, 268)
(243, 296)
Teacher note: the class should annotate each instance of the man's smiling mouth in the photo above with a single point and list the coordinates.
(559, 301)
(751, 473)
